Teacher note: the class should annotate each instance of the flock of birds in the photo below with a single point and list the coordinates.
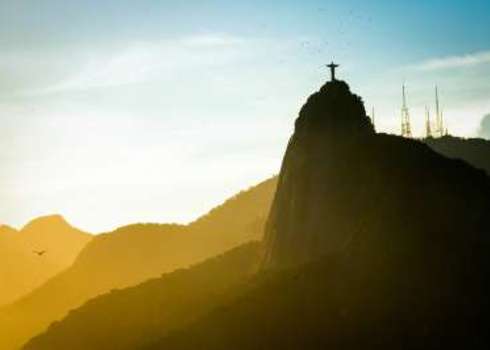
(345, 41)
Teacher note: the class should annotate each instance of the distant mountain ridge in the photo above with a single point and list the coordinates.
(133, 254)
(408, 253)
(220, 219)
(373, 241)
(22, 270)
(172, 301)
(475, 151)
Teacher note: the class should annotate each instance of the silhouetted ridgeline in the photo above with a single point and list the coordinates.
(339, 179)
(133, 254)
(140, 314)
(373, 241)
(21, 269)
(474, 151)
(245, 212)
(318, 188)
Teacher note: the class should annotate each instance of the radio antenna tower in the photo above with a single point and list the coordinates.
(439, 118)
(406, 128)
(428, 128)
(444, 129)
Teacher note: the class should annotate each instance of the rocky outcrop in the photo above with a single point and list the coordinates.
(342, 187)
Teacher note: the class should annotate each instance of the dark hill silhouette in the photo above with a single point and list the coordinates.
(170, 302)
(330, 125)
(373, 241)
(341, 302)
(474, 151)
(339, 180)
(21, 270)
(133, 254)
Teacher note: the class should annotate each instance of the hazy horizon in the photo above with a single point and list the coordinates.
(121, 112)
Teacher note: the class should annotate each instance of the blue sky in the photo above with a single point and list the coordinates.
(121, 111)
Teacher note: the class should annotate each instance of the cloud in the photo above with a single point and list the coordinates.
(484, 130)
(135, 62)
(449, 62)
(178, 61)
(44, 70)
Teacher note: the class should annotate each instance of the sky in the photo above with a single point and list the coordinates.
(118, 112)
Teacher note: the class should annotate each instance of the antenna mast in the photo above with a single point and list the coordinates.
(439, 119)
(405, 125)
(428, 129)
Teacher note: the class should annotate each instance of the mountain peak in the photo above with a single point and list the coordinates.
(54, 226)
(47, 221)
(333, 110)
(335, 166)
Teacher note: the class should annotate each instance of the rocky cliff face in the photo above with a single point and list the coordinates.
(342, 187)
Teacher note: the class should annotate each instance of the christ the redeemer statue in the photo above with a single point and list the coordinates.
(332, 67)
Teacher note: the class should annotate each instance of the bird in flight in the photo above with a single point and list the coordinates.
(39, 253)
